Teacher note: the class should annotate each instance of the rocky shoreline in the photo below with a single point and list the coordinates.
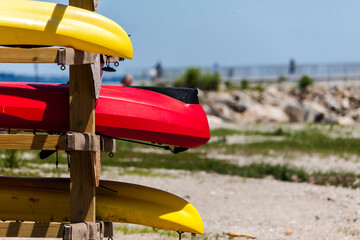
(319, 103)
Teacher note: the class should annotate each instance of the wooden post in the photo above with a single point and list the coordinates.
(82, 119)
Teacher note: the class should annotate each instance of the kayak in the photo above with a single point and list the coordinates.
(35, 23)
(47, 200)
(169, 116)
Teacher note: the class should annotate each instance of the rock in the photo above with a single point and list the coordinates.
(314, 112)
(331, 103)
(208, 109)
(345, 120)
(239, 107)
(214, 122)
(223, 111)
(264, 113)
(295, 113)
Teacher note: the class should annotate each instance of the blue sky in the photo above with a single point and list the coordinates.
(230, 32)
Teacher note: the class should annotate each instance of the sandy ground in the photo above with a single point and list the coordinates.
(264, 208)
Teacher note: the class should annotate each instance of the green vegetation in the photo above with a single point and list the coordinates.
(194, 78)
(244, 84)
(144, 230)
(135, 159)
(304, 82)
(281, 79)
(12, 159)
(309, 141)
(230, 85)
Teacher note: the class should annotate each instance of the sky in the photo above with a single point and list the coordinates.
(229, 32)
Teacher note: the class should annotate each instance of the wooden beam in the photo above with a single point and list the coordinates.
(91, 5)
(97, 73)
(108, 144)
(32, 142)
(82, 142)
(61, 56)
(28, 55)
(71, 56)
(111, 59)
(71, 141)
(31, 229)
(82, 119)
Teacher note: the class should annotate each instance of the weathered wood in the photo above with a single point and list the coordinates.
(31, 55)
(31, 229)
(82, 142)
(108, 229)
(71, 56)
(111, 59)
(32, 142)
(108, 144)
(96, 69)
(82, 119)
(71, 141)
(98, 160)
(83, 231)
(91, 5)
(61, 56)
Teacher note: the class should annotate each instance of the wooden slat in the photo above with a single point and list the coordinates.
(111, 59)
(31, 55)
(32, 142)
(91, 5)
(61, 56)
(82, 142)
(71, 56)
(97, 72)
(82, 119)
(31, 229)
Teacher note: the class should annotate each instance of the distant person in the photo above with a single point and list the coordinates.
(152, 74)
(127, 80)
(216, 66)
(292, 66)
(159, 71)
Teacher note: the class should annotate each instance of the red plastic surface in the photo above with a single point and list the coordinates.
(120, 112)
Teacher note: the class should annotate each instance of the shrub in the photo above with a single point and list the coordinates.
(210, 81)
(12, 159)
(230, 85)
(304, 82)
(193, 78)
(244, 84)
(281, 79)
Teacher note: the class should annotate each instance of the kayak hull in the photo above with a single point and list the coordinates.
(121, 112)
(38, 23)
(47, 200)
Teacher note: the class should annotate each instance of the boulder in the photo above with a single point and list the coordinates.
(345, 120)
(295, 113)
(264, 113)
(223, 111)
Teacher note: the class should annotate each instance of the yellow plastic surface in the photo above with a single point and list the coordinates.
(48, 200)
(24, 22)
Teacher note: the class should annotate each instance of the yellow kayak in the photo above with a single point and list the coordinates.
(24, 22)
(48, 200)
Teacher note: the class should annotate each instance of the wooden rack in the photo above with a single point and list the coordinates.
(85, 80)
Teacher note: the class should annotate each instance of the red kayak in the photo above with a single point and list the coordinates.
(171, 116)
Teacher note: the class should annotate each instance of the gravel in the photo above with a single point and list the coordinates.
(264, 208)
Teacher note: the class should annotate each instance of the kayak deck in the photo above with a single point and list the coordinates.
(121, 112)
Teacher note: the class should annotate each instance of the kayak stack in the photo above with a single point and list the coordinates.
(162, 116)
